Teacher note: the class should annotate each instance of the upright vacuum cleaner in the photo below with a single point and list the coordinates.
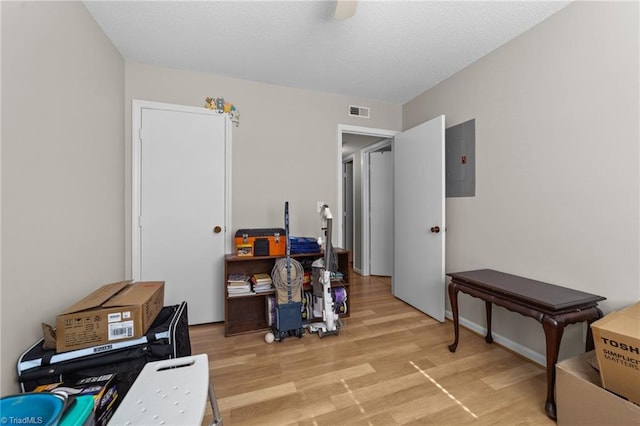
(321, 278)
(287, 275)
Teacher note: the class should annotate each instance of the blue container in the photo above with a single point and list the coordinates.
(80, 413)
(44, 409)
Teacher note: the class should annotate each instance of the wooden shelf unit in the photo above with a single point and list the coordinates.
(246, 314)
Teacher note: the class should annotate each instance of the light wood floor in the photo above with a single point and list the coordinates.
(388, 366)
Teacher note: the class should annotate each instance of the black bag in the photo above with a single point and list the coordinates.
(168, 337)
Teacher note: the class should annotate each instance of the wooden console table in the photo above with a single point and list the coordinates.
(551, 305)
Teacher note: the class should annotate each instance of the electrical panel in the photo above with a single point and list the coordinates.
(460, 159)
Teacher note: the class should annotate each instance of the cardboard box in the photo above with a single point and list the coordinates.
(617, 343)
(580, 400)
(102, 388)
(114, 312)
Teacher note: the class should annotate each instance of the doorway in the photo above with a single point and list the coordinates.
(368, 204)
(352, 141)
(418, 215)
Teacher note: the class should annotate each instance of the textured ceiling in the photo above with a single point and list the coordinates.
(390, 50)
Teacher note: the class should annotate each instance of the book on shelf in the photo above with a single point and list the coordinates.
(238, 288)
(248, 293)
(261, 282)
(261, 278)
(237, 278)
(239, 281)
(242, 290)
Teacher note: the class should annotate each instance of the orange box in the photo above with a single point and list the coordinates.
(263, 241)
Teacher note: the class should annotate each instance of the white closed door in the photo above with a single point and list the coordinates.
(182, 208)
(419, 196)
(381, 213)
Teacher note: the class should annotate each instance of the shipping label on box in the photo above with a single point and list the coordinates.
(617, 342)
(117, 311)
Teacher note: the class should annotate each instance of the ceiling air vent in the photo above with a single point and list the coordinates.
(358, 111)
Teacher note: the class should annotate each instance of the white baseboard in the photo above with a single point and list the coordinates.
(507, 343)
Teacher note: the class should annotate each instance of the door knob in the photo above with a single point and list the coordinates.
(435, 229)
(217, 229)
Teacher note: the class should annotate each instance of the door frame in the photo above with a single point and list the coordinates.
(351, 158)
(136, 132)
(365, 131)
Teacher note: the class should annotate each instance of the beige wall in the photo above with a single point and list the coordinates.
(557, 146)
(285, 148)
(62, 167)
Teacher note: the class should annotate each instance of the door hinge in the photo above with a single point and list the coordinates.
(140, 134)
(139, 221)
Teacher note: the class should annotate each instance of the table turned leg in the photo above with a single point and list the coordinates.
(553, 330)
(488, 338)
(453, 298)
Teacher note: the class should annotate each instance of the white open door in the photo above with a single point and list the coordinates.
(419, 193)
